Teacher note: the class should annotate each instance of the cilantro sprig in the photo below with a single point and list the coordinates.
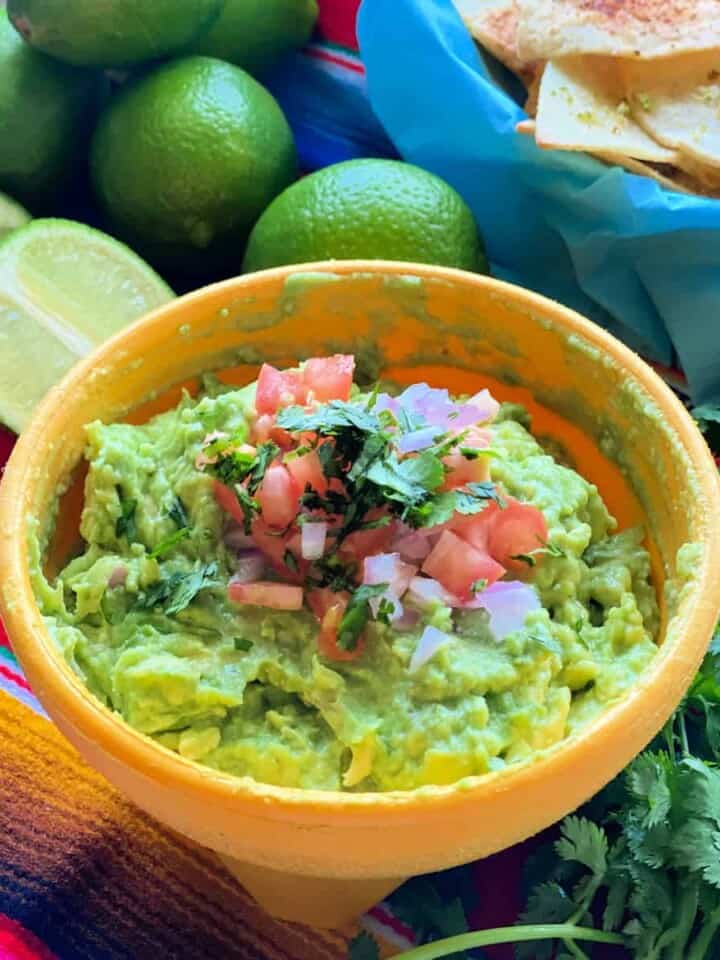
(637, 867)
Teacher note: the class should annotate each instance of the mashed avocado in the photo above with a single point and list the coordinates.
(144, 618)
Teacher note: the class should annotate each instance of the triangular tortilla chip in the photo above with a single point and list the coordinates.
(677, 101)
(493, 23)
(582, 107)
(620, 28)
(666, 176)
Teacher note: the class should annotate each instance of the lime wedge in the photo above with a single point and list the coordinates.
(64, 288)
(12, 215)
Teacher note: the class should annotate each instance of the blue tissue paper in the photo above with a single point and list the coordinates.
(641, 261)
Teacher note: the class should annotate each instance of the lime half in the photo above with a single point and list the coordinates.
(12, 215)
(64, 288)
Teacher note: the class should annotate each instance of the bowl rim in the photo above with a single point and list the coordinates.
(97, 723)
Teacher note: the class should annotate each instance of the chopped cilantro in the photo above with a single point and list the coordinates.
(242, 644)
(169, 542)
(330, 419)
(125, 523)
(250, 506)
(357, 615)
(478, 586)
(177, 590)
(385, 610)
(265, 455)
(487, 491)
(290, 561)
(524, 558)
(178, 513)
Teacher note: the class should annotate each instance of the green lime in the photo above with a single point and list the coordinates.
(64, 288)
(12, 215)
(114, 32)
(185, 159)
(255, 34)
(45, 109)
(369, 209)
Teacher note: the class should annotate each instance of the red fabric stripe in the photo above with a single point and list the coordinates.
(337, 22)
(14, 678)
(16, 943)
(318, 53)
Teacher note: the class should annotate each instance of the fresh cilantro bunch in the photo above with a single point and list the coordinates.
(639, 866)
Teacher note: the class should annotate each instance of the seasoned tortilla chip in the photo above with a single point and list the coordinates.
(533, 91)
(667, 176)
(493, 23)
(619, 28)
(582, 107)
(677, 101)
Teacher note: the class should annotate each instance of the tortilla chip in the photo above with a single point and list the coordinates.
(582, 107)
(620, 28)
(665, 175)
(526, 128)
(533, 91)
(493, 23)
(677, 101)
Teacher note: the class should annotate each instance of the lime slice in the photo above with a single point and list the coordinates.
(64, 288)
(12, 215)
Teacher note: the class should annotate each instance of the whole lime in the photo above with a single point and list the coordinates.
(186, 158)
(114, 32)
(369, 209)
(255, 34)
(45, 107)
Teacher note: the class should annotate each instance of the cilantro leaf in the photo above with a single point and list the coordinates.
(125, 523)
(357, 615)
(328, 419)
(264, 456)
(250, 507)
(407, 481)
(242, 644)
(487, 491)
(177, 591)
(178, 513)
(166, 545)
(583, 841)
(438, 509)
(363, 947)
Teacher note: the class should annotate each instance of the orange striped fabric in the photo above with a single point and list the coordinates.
(92, 876)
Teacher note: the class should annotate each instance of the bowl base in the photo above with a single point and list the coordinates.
(326, 902)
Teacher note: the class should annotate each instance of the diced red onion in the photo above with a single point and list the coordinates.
(486, 404)
(249, 566)
(384, 401)
(388, 568)
(236, 539)
(414, 546)
(418, 439)
(118, 576)
(312, 543)
(508, 603)
(407, 621)
(429, 643)
(424, 591)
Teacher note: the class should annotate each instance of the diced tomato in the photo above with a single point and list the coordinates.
(363, 543)
(272, 545)
(265, 429)
(321, 599)
(279, 388)
(475, 529)
(308, 470)
(278, 496)
(461, 469)
(330, 378)
(457, 565)
(227, 500)
(519, 529)
(328, 636)
(266, 593)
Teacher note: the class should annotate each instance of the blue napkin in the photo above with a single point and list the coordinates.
(641, 261)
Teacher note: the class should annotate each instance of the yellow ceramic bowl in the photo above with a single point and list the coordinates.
(324, 856)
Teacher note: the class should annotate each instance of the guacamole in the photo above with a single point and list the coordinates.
(325, 588)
